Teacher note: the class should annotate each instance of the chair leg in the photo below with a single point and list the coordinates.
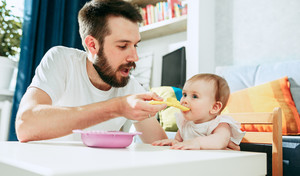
(277, 169)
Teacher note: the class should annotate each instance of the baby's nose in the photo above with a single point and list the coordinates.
(183, 102)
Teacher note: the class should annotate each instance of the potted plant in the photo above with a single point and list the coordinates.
(10, 39)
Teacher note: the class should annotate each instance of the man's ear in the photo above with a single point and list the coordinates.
(216, 108)
(92, 44)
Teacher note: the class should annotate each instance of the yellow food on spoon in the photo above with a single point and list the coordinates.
(171, 102)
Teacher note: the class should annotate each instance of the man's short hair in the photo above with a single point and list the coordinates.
(93, 17)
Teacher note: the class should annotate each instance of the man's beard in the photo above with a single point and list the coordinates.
(106, 72)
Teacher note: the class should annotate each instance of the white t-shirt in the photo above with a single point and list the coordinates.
(189, 130)
(63, 76)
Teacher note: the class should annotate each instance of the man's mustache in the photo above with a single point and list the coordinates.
(129, 64)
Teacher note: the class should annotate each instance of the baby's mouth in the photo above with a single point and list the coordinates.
(185, 112)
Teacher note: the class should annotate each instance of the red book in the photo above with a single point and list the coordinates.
(144, 13)
(171, 4)
(148, 9)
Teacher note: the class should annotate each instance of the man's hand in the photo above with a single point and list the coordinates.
(136, 107)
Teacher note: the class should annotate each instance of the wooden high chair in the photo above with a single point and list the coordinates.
(274, 138)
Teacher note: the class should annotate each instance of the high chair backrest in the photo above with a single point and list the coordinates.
(274, 137)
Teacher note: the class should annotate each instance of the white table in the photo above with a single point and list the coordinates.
(73, 158)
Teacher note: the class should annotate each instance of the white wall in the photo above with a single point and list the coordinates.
(232, 32)
(200, 37)
(159, 47)
(257, 31)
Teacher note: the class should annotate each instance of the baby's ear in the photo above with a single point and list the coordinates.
(216, 108)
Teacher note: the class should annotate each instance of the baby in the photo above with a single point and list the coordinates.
(202, 127)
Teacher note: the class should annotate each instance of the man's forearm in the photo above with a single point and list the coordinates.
(151, 130)
(42, 122)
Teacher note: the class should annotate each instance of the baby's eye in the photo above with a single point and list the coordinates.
(184, 94)
(195, 96)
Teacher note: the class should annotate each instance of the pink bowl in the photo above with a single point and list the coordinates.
(106, 139)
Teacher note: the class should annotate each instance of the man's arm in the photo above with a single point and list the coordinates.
(38, 119)
(151, 129)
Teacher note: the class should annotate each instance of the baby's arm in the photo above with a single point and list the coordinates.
(218, 140)
(169, 142)
(178, 136)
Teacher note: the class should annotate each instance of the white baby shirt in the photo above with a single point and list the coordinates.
(189, 130)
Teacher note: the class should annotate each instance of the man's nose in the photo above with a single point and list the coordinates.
(133, 57)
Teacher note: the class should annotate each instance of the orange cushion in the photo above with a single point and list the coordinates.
(264, 98)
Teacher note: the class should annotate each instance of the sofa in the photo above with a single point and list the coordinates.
(246, 76)
(241, 78)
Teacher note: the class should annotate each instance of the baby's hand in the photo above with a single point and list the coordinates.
(233, 146)
(187, 145)
(165, 142)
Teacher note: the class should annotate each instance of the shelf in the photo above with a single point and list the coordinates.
(163, 28)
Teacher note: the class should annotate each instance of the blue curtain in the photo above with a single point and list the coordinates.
(47, 23)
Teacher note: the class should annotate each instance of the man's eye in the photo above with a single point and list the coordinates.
(122, 47)
(136, 46)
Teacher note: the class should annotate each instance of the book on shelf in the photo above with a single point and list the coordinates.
(163, 11)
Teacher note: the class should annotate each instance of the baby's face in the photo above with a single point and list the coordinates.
(199, 96)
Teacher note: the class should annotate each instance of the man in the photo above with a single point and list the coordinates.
(73, 89)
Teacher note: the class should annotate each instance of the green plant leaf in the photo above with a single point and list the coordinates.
(10, 31)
